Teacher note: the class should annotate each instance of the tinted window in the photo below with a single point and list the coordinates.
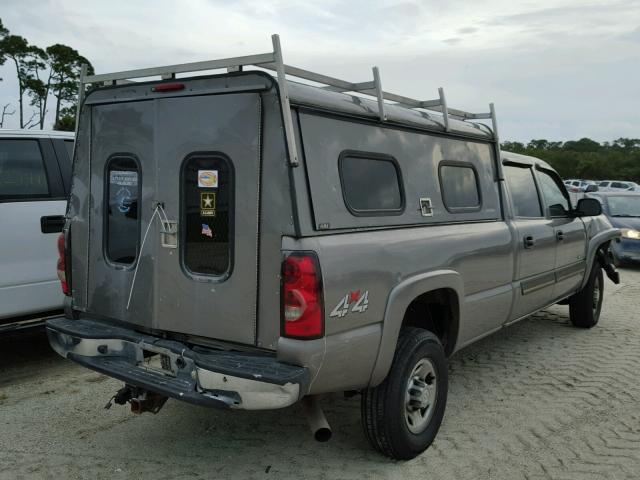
(69, 146)
(22, 171)
(207, 210)
(553, 194)
(371, 184)
(459, 187)
(123, 192)
(524, 194)
(628, 206)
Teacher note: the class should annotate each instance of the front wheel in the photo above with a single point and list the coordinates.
(585, 306)
(402, 415)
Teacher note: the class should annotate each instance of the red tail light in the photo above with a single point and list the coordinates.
(62, 274)
(167, 87)
(302, 314)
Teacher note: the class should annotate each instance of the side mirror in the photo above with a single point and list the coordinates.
(592, 188)
(588, 207)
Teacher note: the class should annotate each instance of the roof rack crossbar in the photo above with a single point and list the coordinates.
(182, 68)
(274, 61)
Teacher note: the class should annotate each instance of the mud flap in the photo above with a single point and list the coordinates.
(604, 261)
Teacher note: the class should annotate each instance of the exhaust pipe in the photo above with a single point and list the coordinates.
(317, 421)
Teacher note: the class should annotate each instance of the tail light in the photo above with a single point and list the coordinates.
(167, 87)
(302, 312)
(62, 267)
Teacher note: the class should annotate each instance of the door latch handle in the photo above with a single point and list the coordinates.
(559, 236)
(169, 234)
(529, 242)
(52, 223)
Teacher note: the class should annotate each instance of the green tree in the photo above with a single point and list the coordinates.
(41, 73)
(16, 49)
(3, 33)
(586, 158)
(582, 145)
(65, 64)
(538, 145)
(38, 82)
(628, 144)
(515, 147)
(67, 120)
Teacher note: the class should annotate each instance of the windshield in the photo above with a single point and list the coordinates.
(628, 206)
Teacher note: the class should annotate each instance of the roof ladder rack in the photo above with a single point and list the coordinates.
(274, 61)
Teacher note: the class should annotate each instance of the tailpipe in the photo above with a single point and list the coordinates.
(317, 421)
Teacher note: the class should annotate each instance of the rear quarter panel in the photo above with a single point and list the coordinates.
(480, 254)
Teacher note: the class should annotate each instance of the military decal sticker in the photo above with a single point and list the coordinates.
(208, 204)
(208, 178)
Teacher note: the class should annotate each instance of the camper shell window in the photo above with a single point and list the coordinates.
(122, 223)
(371, 184)
(207, 214)
(460, 187)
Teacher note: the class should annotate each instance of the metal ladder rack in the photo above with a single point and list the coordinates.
(273, 61)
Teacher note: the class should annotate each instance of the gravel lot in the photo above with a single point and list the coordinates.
(538, 400)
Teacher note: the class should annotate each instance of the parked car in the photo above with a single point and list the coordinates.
(35, 176)
(277, 241)
(623, 211)
(617, 186)
(577, 186)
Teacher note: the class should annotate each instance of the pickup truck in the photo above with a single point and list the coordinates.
(35, 179)
(243, 241)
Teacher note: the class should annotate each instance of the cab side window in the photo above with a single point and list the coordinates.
(22, 171)
(524, 194)
(555, 197)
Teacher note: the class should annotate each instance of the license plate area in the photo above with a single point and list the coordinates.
(158, 361)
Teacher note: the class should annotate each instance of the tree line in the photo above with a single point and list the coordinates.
(47, 79)
(586, 158)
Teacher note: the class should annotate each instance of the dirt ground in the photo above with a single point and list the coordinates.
(538, 400)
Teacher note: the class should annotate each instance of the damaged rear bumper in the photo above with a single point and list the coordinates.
(203, 376)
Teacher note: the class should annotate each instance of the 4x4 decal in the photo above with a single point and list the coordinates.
(355, 301)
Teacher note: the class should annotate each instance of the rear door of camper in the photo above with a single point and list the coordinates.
(174, 214)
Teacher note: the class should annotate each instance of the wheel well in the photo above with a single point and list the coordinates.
(437, 312)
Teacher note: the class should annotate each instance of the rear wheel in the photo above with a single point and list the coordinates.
(585, 306)
(402, 415)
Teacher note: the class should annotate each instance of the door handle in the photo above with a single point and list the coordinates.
(560, 236)
(529, 242)
(52, 223)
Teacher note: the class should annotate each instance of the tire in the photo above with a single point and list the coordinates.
(585, 306)
(398, 421)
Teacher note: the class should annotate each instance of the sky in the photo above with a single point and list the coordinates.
(555, 69)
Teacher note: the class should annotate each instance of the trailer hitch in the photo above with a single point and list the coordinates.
(141, 400)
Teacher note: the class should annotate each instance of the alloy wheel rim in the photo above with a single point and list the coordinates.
(420, 396)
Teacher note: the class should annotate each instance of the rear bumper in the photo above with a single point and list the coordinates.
(203, 376)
